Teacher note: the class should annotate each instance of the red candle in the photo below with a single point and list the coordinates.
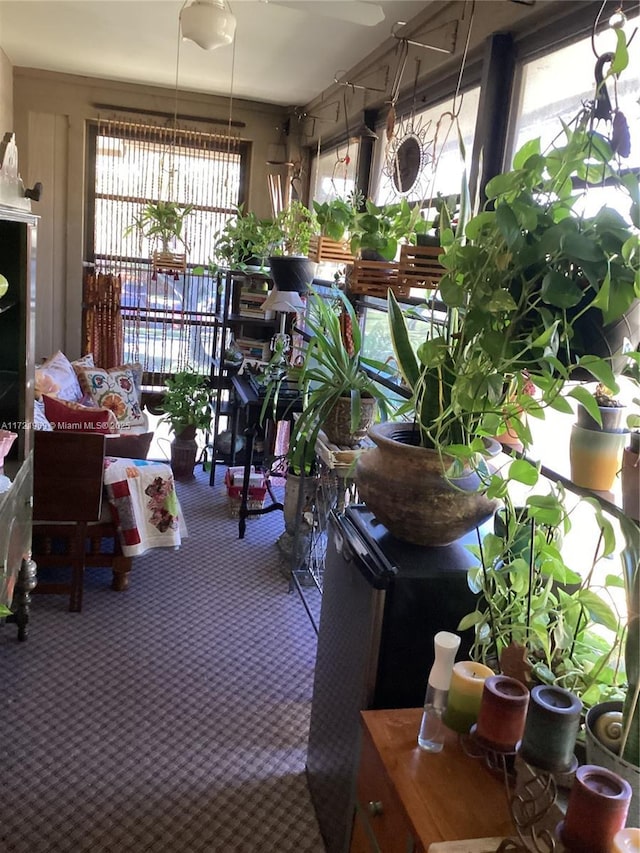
(503, 711)
(596, 811)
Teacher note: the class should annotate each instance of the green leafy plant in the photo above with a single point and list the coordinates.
(245, 238)
(334, 367)
(336, 217)
(162, 220)
(381, 228)
(518, 278)
(528, 598)
(186, 401)
(295, 226)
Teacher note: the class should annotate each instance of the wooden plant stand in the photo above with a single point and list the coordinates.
(325, 249)
(420, 266)
(376, 278)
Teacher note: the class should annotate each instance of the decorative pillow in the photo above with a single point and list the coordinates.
(129, 446)
(67, 416)
(85, 361)
(114, 389)
(40, 421)
(56, 375)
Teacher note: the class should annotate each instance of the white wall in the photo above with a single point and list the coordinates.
(6, 94)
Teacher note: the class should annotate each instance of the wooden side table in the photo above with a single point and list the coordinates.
(408, 799)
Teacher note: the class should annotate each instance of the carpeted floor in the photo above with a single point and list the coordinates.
(170, 718)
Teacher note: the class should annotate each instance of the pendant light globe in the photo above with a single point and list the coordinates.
(208, 23)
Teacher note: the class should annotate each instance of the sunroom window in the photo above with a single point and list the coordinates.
(167, 314)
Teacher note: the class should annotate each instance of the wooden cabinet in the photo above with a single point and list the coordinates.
(17, 264)
(380, 818)
(408, 799)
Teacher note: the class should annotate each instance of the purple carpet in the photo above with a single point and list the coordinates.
(169, 718)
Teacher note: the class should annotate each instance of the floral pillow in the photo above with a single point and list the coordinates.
(114, 389)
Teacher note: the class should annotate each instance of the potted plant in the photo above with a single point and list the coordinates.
(378, 230)
(341, 397)
(245, 240)
(186, 406)
(597, 439)
(535, 616)
(511, 277)
(539, 621)
(290, 267)
(162, 221)
(335, 219)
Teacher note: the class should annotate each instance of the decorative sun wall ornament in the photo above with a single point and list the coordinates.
(409, 153)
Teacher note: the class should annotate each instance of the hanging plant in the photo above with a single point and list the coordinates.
(163, 222)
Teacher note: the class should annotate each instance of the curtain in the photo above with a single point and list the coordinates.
(103, 333)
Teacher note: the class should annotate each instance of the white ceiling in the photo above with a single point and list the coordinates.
(286, 51)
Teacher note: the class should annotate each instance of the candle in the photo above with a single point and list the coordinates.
(596, 811)
(503, 711)
(552, 723)
(626, 841)
(465, 694)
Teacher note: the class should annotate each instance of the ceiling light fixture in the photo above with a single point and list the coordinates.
(208, 23)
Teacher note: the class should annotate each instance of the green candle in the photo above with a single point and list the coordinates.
(465, 694)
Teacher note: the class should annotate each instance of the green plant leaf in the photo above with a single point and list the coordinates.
(529, 149)
(470, 620)
(621, 56)
(524, 472)
(508, 225)
(560, 290)
(600, 369)
(559, 404)
(599, 611)
(405, 356)
(586, 399)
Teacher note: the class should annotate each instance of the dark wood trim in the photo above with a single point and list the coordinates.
(222, 122)
(489, 142)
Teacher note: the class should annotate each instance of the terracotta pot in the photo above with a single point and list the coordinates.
(337, 426)
(405, 487)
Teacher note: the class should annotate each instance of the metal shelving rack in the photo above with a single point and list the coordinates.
(335, 489)
(228, 321)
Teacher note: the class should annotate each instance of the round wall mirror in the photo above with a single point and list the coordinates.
(407, 164)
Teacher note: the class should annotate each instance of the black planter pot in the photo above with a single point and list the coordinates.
(428, 240)
(292, 272)
(592, 337)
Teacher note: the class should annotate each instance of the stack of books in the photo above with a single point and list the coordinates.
(255, 349)
(251, 302)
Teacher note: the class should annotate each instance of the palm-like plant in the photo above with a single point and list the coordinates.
(162, 220)
(334, 368)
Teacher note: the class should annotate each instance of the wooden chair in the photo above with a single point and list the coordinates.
(70, 528)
